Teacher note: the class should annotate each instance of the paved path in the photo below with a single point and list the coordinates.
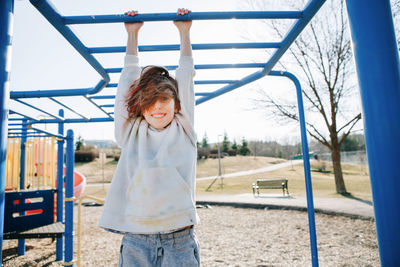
(336, 206)
(265, 169)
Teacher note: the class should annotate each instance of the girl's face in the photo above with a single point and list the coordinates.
(161, 113)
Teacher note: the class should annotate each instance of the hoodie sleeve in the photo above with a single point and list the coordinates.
(184, 76)
(122, 123)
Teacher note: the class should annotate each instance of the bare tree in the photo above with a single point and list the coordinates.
(322, 56)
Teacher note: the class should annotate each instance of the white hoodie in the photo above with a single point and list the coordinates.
(153, 186)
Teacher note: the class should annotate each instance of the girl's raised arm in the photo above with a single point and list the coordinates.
(185, 72)
(184, 33)
(132, 28)
(130, 72)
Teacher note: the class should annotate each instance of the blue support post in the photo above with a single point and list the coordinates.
(6, 18)
(69, 199)
(306, 162)
(60, 184)
(21, 242)
(377, 63)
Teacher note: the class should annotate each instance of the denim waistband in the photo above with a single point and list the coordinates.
(161, 236)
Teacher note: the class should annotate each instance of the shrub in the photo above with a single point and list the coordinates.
(232, 152)
(116, 157)
(214, 151)
(202, 152)
(84, 156)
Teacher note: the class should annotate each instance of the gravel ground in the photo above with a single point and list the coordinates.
(231, 237)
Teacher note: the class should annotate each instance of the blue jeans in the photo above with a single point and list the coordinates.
(175, 249)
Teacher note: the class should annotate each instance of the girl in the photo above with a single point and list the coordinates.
(151, 197)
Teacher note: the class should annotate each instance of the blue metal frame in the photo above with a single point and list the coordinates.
(377, 66)
(60, 23)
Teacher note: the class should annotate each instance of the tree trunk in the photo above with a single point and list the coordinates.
(337, 167)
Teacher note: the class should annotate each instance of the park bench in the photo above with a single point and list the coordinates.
(270, 184)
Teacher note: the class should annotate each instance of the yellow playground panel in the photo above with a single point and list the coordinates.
(40, 163)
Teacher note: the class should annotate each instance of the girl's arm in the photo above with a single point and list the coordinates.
(184, 33)
(133, 31)
(185, 71)
(129, 74)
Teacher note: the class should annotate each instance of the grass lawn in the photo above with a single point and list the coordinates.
(355, 176)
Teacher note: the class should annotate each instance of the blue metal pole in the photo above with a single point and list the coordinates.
(69, 199)
(205, 66)
(21, 242)
(377, 63)
(60, 184)
(173, 16)
(76, 120)
(6, 18)
(306, 161)
(50, 93)
(176, 47)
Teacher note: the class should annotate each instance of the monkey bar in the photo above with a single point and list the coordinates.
(359, 13)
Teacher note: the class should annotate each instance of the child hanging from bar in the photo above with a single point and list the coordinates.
(151, 199)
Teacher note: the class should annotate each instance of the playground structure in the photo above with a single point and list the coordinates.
(40, 163)
(32, 192)
(377, 61)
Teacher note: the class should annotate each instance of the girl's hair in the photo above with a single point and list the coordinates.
(154, 82)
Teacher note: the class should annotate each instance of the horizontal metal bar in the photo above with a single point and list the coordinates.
(206, 66)
(14, 124)
(70, 109)
(250, 78)
(107, 106)
(176, 47)
(75, 120)
(32, 131)
(19, 136)
(89, 19)
(215, 81)
(52, 15)
(18, 119)
(202, 94)
(59, 92)
(38, 109)
(102, 97)
(195, 82)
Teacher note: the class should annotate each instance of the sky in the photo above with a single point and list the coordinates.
(42, 59)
